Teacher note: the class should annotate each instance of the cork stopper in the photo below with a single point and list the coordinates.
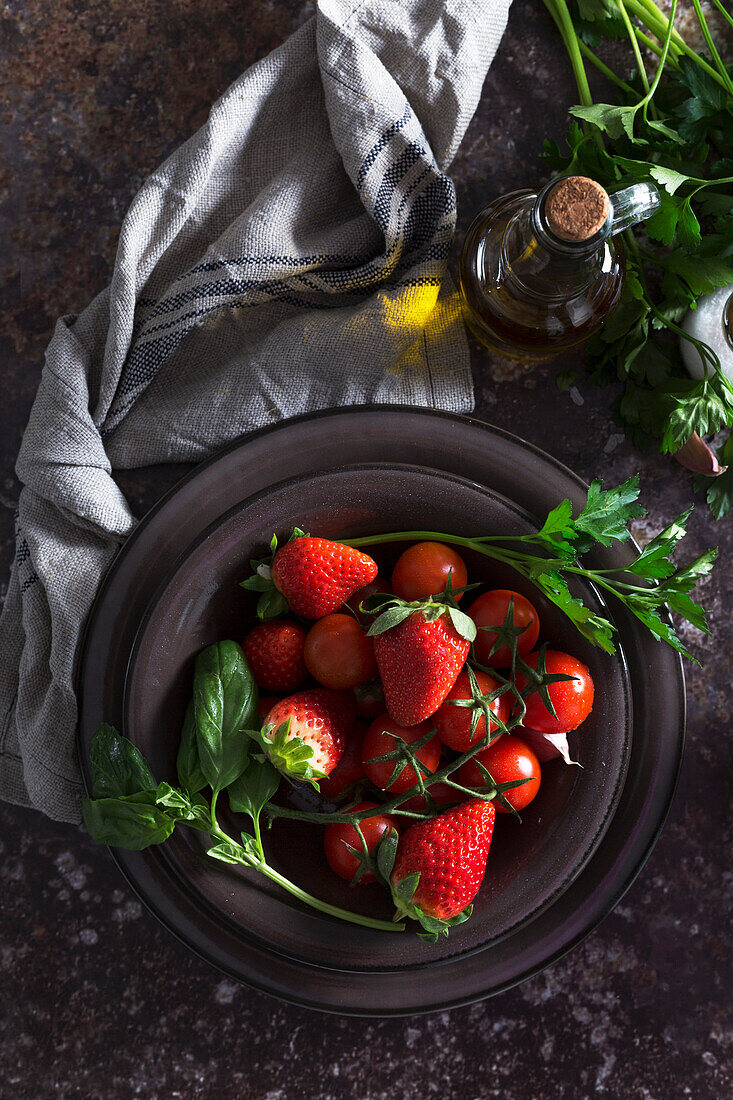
(576, 208)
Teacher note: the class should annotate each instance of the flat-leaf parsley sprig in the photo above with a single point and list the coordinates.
(672, 125)
(646, 586)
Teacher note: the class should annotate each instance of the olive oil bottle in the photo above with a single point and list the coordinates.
(542, 272)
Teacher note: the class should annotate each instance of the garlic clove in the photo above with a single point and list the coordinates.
(695, 455)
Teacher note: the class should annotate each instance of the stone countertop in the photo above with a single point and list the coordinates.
(99, 1001)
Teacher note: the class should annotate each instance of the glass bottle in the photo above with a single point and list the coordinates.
(542, 272)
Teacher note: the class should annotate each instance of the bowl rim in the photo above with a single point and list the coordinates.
(600, 910)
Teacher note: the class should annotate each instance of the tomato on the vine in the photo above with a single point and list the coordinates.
(338, 653)
(454, 723)
(489, 611)
(339, 834)
(423, 571)
(507, 760)
(385, 736)
(442, 795)
(572, 699)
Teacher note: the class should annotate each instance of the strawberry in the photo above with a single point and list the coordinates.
(437, 867)
(274, 652)
(304, 735)
(312, 576)
(419, 658)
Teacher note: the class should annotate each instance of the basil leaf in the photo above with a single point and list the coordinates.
(226, 853)
(130, 822)
(118, 768)
(190, 775)
(254, 787)
(252, 849)
(225, 704)
(193, 811)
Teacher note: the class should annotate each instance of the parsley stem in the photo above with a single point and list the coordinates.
(655, 21)
(711, 46)
(654, 47)
(662, 58)
(597, 575)
(654, 13)
(634, 44)
(604, 69)
(558, 9)
(722, 11)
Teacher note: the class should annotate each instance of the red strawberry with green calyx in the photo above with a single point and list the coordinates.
(304, 735)
(436, 869)
(311, 576)
(421, 648)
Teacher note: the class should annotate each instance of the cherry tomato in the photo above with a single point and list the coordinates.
(380, 739)
(349, 768)
(378, 585)
(338, 652)
(489, 611)
(369, 700)
(541, 746)
(424, 568)
(506, 760)
(572, 699)
(338, 835)
(454, 723)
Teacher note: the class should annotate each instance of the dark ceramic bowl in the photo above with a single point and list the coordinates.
(174, 590)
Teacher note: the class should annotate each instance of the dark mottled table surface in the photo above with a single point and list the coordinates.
(98, 1000)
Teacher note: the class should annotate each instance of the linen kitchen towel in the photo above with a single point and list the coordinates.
(290, 256)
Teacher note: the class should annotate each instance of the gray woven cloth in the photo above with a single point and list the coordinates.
(290, 256)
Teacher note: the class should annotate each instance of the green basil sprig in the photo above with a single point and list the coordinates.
(131, 810)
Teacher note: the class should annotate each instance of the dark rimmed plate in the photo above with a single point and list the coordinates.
(349, 978)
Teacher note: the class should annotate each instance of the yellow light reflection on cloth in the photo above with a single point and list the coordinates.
(418, 313)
